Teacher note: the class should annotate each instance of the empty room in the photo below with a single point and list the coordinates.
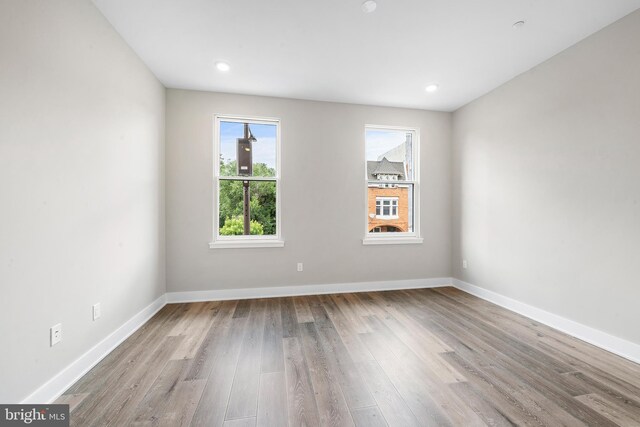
(343, 213)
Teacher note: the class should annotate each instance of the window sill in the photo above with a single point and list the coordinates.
(392, 240)
(239, 244)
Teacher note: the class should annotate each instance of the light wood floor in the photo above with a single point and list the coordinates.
(402, 358)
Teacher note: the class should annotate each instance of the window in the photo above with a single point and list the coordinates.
(392, 184)
(247, 183)
(386, 208)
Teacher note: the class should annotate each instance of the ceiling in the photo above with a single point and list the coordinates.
(331, 51)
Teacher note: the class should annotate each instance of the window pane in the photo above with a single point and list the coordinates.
(262, 206)
(396, 214)
(389, 154)
(260, 154)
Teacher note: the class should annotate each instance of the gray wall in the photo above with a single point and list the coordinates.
(546, 184)
(81, 186)
(323, 198)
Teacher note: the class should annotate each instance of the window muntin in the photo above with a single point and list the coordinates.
(387, 207)
(391, 181)
(247, 168)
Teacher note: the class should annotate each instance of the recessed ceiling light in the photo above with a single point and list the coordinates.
(369, 6)
(518, 25)
(223, 66)
(432, 88)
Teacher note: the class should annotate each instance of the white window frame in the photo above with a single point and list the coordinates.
(399, 238)
(229, 242)
(391, 206)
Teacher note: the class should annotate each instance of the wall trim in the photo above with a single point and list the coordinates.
(603, 340)
(53, 388)
(290, 291)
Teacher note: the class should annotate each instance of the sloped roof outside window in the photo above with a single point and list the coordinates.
(384, 167)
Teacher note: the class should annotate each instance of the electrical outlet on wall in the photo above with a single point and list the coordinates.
(96, 311)
(56, 334)
(464, 263)
(300, 266)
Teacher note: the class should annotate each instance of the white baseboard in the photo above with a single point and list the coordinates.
(52, 389)
(289, 291)
(613, 344)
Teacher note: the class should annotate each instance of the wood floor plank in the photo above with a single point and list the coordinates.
(608, 363)
(241, 422)
(211, 409)
(273, 355)
(534, 391)
(609, 409)
(541, 380)
(196, 331)
(124, 376)
(467, 344)
(531, 331)
(491, 333)
(397, 307)
(243, 401)
(157, 397)
(428, 397)
(302, 310)
(426, 401)
(229, 350)
(332, 406)
(242, 309)
(182, 404)
(348, 330)
(339, 360)
(73, 400)
(369, 417)
(629, 402)
(481, 405)
(499, 394)
(358, 306)
(393, 407)
(425, 346)
(301, 403)
(491, 339)
(289, 319)
(542, 402)
(398, 358)
(406, 384)
(110, 369)
(121, 408)
(188, 317)
(351, 313)
(213, 343)
(593, 375)
(272, 400)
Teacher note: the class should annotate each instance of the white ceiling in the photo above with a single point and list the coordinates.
(330, 50)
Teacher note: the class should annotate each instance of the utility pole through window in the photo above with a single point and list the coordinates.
(245, 168)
